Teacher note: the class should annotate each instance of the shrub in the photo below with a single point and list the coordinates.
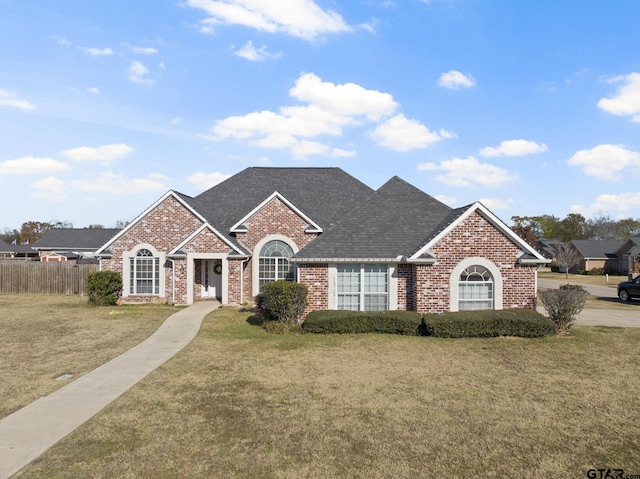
(345, 322)
(525, 323)
(283, 300)
(564, 304)
(103, 287)
(596, 272)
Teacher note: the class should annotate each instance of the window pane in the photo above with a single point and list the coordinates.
(349, 301)
(475, 289)
(375, 278)
(348, 278)
(377, 302)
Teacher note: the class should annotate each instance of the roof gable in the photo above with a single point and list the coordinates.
(240, 228)
(180, 198)
(322, 195)
(529, 254)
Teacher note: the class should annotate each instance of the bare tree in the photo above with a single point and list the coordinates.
(566, 258)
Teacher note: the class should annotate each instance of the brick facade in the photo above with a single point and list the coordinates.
(421, 287)
(274, 218)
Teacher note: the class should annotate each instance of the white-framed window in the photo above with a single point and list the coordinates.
(274, 263)
(475, 289)
(144, 273)
(363, 287)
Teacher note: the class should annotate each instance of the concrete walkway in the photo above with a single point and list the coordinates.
(27, 433)
(599, 317)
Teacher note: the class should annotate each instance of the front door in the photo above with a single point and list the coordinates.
(211, 279)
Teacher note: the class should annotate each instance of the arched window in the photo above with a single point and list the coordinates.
(144, 273)
(275, 262)
(475, 289)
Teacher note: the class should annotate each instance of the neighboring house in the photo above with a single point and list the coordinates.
(353, 247)
(628, 254)
(72, 244)
(548, 248)
(12, 251)
(593, 254)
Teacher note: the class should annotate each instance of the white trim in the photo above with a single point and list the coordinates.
(494, 220)
(255, 269)
(126, 269)
(191, 271)
(200, 230)
(239, 228)
(454, 279)
(124, 230)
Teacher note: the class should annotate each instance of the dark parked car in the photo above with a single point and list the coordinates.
(629, 289)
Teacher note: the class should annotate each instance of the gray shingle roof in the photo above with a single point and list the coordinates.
(397, 220)
(15, 248)
(322, 194)
(596, 249)
(74, 239)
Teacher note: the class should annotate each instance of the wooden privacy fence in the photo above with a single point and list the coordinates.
(44, 278)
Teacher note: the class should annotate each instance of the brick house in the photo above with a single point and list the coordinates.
(354, 247)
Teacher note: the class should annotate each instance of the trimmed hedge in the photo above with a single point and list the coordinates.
(345, 322)
(283, 300)
(525, 323)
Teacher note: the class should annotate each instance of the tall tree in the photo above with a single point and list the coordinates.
(601, 227)
(627, 228)
(573, 227)
(32, 231)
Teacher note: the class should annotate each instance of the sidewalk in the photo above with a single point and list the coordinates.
(29, 432)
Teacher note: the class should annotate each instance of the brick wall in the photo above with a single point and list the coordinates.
(164, 227)
(316, 278)
(475, 236)
(274, 218)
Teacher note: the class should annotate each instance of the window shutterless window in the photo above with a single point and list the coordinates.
(475, 289)
(274, 262)
(363, 287)
(144, 273)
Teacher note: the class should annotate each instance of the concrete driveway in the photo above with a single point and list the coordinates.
(599, 317)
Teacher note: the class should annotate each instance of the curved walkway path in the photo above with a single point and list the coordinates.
(599, 317)
(30, 431)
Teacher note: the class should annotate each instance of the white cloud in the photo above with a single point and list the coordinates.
(622, 202)
(138, 73)
(298, 18)
(97, 52)
(8, 98)
(204, 181)
(94, 89)
(301, 149)
(496, 203)
(345, 99)
(119, 185)
(454, 80)
(626, 100)
(177, 120)
(104, 153)
(251, 53)
(329, 110)
(605, 162)
(447, 200)
(49, 189)
(513, 148)
(403, 134)
(28, 165)
(141, 50)
(468, 171)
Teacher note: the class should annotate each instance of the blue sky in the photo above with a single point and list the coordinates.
(530, 107)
